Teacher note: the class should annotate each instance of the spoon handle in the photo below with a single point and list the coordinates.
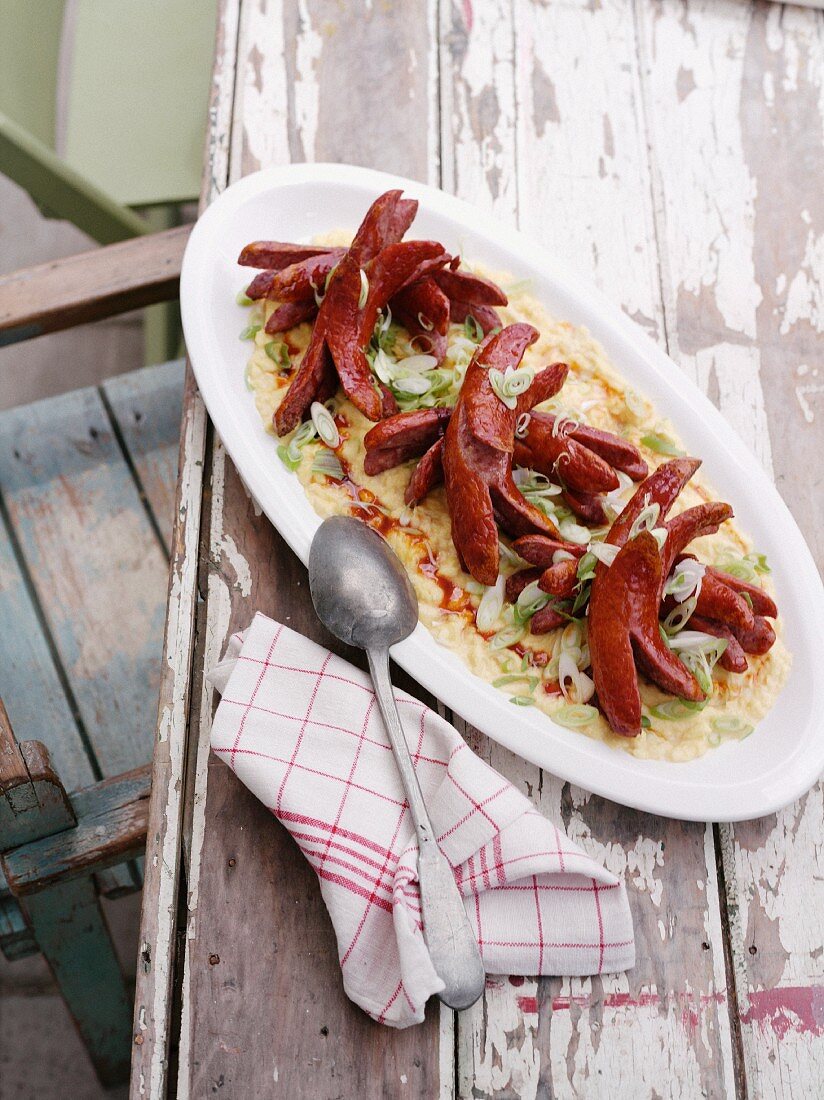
(446, 928)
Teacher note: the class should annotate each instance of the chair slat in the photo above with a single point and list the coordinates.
(92, 285)
(97, 566)
(147, 406)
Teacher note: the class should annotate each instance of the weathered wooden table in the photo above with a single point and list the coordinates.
(672, 152)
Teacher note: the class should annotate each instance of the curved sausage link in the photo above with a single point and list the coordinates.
(733, 659)
(540, 550)
(288, 315)
(406, 434)
(477, 460)
(426, 475)
(423, 310)
(577, 467)
(486, 316)
(299, 282)
(560, 579)
(623, 629)
(762, 603)
(275, 255)
(463, 286)
(661, 487)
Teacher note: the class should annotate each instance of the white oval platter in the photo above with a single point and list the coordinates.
(739, 780)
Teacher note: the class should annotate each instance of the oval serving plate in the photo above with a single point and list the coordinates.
(739, 780)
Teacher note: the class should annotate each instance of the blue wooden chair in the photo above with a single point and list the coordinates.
(87, 482)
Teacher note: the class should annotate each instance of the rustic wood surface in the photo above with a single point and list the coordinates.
(87, 287)
(672, 152)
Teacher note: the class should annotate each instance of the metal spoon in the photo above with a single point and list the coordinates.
(362, 594)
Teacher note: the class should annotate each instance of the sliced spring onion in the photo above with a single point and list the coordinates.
(383, 366)
(242, 298)
(740, 568)
(586, 566)
(576, 686)
(646, 520)
(491, 605)
(604, 551)
(673, 710)
(250, 332)
(645, 722)
(522, 425)
(531, 599)
(522, 700)
(416, 384)
(573, 636)
(473, 330)
(509, 636)
(289, 461)
(680, 616)
(696, 641)
(328, 464)
(661, 444)
(324, 424)
(419, 363)
(759, 562)
(515, 678)
(562, 555)
(574, 714)
(508, 555)
(660, 536)
(278, 352)
(425, 323)
(564, 425)
(714, 739)
(571, 531)
(635, 405)
(510, 384)
(730, 723)
(685, 579)
(246, 377)
(364, 289)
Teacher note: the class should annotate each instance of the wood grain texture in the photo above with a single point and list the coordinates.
(152, 1022)
(146, 407)
(87, 287)
(644, 144)
(95, 562)
(322, 1047)
(579, 145)
(744, 222)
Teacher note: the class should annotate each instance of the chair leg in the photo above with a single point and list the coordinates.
(65, 917)
(73, 936)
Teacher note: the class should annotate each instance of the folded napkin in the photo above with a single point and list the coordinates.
(301, 728)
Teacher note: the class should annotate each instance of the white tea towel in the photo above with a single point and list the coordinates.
(301, 728)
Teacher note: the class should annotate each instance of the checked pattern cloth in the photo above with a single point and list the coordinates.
(301, 728)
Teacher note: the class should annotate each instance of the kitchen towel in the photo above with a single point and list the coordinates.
(301, 728)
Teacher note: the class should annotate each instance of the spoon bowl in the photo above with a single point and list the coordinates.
(359, 587)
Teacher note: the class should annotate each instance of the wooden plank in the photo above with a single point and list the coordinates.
(146, 407)
(744, 243)
(322, 1045)
(578, 141)
(111, 828)
(95, 562)
(31, 686)
(77, 289)
(152, 1021)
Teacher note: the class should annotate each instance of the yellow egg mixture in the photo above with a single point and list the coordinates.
(594, 393)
